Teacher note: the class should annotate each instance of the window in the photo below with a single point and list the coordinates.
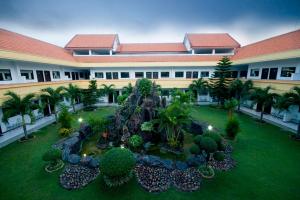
(81, 75)
(195, 74)
(115, 75)
(68, 74)
(165, 93)
(287, 71)
(223, 51)
(5, 75)
(139, 74)
(108, 75)
(155, 75)
(233, 74)
(100, 52)
(204, 74)
(188, 74)
(243, 73)
(164, 74)
(179, 74)
(28, 74)
(124, 74)
(254, 72)
(149, 75)
(81, 52)
(56, 74)
(99, 75)
(203, 51)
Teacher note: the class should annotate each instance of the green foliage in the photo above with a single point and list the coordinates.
(206, 171)
(147, 126)
(239, 89)
(107, 89)
(197, 139)
(72, 93)
(52, 155)
(182, 97)
(200, 86)
(144, 86)
(215, 136)
(122, 98)
(98, 125)
(232, 128)
(128, 89)
(194, 149)
(219, 156)
(208, 145)
(89, 96)
(135, 141)
(65, 132)
(65, 118)
(116, 165)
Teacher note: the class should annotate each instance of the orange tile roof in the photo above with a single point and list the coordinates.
(151, 47)
(147, 58)
(212, 40)
(12, 41)
(92, 41)
(281, 43)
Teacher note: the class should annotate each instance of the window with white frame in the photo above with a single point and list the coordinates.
(179, 74)
(81, 52)
(28, 74)
(287, 71)
(195, 74)
(5, 75)
(164, 74)
(139, 74)
(155, 75)
(254, 72)
(124, 74)
(68, 74)
(191, 74)
(149, 75)
(112, 75)
(204, 74)
(99, 75)
(56, 74)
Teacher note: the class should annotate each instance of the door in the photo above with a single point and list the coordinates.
(73, 76)
(40, 76)
(110, 98)
(273, 73)
(47, 76)
(265, 73)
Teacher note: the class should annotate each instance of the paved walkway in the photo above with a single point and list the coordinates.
(271, 119)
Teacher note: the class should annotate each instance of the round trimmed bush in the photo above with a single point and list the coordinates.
(219, 156)
(116, 165)
(215, 136)
(197, 139)
(194, 149)
(135, 141)
(208, 144)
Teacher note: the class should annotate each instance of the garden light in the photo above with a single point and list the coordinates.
(122, 146)
(210, 127)
(80, 120)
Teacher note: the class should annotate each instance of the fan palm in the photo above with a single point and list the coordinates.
(52, 97)
(264, 97)
(107, 89)
(17, 105)
(199, 86)
(288, 99)
(240, 89)
(72, 93)
(230, 105)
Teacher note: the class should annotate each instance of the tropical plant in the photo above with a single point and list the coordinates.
(182, 97)
(116, 166)
(194, 149)
(65, 132)
(221, 80)
(144, 86)
(52, 97)
(200, 86)
(121, 99)
(128, 89)
(288, 99)
(230, 105)
(232, 128)
(73, 94)
(135, 142)
(240, 90)
(264, 97)
(98, 125)
(107, 90)
(64, 117)
(17, 105)
(53, 157)
(147, 126)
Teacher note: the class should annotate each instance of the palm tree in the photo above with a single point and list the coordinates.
(52, 97)
(107, 89)
(73, 93)
(199, 86)
(240, 89)
(288, 99)
(230, 105)
(264, 97)
(16, 105)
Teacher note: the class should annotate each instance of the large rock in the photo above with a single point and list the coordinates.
(94, 163)
(181, 165)
(195, 160)
(195, 128)
(74, 159)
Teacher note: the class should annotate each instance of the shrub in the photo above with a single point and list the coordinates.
(52, 156)
(144, 86)
(232, 128)
(194, 149)
(197, 139)
(147, 126)
(135, 141)
(219, 156)
(121, 99)
(65, 132)
(215, 136)
(208, 145)
(98, 125)
(64, 117)
(116, 166)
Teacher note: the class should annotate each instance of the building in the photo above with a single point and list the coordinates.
(28, 65)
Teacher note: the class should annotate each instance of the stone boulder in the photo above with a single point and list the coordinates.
(74, 159)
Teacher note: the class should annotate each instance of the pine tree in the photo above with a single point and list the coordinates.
(220, 80)
(89, 96)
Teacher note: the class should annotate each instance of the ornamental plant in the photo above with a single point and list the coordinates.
(65, 132)
(117, 165)
(144, 86)
(65, 118)
(53, 157)
(232, 128)
(135, 142)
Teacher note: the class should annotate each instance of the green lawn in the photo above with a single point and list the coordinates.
(268, 167)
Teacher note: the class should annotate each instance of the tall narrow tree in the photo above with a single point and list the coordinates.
(17, 105)
(52, 97)
(239, 90)
(89, 95)
(264, 97)
(72, 93)
(220, 80)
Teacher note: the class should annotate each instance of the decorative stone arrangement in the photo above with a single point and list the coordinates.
(225, 165)
(186, 181)
(77, 176)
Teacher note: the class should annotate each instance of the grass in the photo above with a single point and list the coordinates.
(268, 167)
